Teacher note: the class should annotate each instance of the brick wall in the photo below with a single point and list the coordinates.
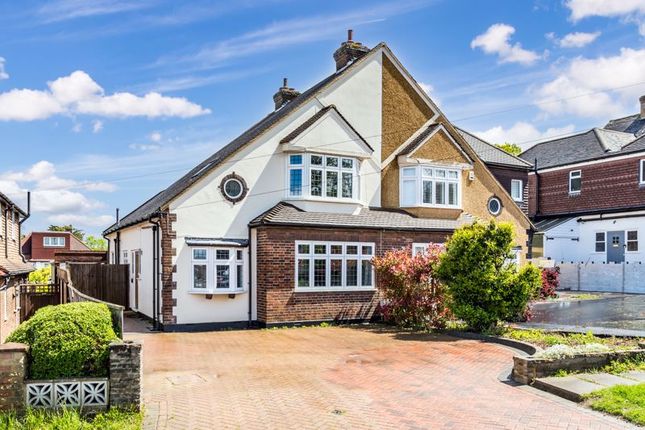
(9, 314)
(125, 375)
(607, 185)
(13, 367)
(505, 175)
(168, 252)
(277, 300)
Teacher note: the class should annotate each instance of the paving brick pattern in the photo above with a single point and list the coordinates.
(338, 378)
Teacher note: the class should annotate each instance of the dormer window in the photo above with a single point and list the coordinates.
(430, 186)
(53, 242)
(325, 177)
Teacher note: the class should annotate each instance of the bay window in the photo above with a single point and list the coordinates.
(322, 176)
(430, 186)
(217, 270)
(334, 266)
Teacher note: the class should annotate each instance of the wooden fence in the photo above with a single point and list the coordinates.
(105, 282)
(36, 296)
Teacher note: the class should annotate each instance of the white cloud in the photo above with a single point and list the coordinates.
(62, 10)
(78, 93)
(82, 220)
(429, 90)
(601, 87)
(77, 128)
(155, 136)
(496, 40)
(522, 133)
(144, 146)
(58, 198)
(3, 73)
(575, 40)
(609, 8)
(97, 126)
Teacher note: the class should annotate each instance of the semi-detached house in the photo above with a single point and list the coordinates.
(280, 225)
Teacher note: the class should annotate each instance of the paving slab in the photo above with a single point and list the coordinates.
(569, 387)
(606, 379)
(635, 375)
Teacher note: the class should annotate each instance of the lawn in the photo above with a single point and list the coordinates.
(627, 401)
(69, 419)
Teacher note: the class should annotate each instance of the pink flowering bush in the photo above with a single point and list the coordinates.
(550, 282)
(412, 295)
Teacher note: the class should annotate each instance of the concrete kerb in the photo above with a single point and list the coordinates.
(524, 348)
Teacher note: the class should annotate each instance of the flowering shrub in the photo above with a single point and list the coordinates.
(562, 351)
(550, 282)
(413, 297)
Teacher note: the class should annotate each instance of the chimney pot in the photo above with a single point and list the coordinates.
(284, 83)
(349, 51)
(642, 100)
(284, 94)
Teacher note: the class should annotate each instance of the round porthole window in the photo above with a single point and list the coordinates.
(494, 206)
(233, 188)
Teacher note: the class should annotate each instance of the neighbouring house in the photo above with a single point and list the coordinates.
(281, 224)
(587, 193)
(13, 269)
(42, 248)
(510, 171)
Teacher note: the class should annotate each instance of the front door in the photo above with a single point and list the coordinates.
(615, 246)
(137, 277)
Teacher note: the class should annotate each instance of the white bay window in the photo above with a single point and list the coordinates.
(334, 266)
(430, 186)
(217, 270)
(318, 176)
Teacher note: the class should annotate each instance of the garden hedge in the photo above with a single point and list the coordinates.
(67, 341)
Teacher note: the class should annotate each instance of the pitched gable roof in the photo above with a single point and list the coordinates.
(490, 153)
(6, 201)
(425, 136)
(633, 124)
(147, 209)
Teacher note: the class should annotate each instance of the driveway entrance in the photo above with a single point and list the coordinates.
(341, 377)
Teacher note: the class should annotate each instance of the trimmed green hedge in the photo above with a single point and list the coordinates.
(67, 341)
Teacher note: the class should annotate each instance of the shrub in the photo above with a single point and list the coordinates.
(413, 297)
(550, 282)
(41, 276)
(562, 351)
(67, 341)
(484, 285)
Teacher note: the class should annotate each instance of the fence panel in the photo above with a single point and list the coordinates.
(36, 296)
(106, 282)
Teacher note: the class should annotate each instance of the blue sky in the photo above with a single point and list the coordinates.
(104, 103)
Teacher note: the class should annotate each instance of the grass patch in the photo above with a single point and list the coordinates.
(582, 296)
(627, 401)
(71, 419)
(545, 339)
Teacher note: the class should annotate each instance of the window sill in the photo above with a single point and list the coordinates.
(574, 193)
(324, 200)
(422, 205)
(216, 292)
(333, 289)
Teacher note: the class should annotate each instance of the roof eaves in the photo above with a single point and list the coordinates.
(526, 163)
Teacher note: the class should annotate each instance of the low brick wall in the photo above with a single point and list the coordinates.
(124, 382)
(527, 369)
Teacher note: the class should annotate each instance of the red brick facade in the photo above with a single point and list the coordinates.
(34, 248)
(606, 185)
(9, 311)
(277, 300)
(168, 285)
(506, 175)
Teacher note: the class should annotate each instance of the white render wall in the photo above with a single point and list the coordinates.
(203, 212)
(609, 277)
(563, 249)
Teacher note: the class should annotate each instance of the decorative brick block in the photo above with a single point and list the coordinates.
(125, 375)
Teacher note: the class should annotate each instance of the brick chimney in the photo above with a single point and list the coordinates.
(284, 95)
(642, 100)
(349, 51)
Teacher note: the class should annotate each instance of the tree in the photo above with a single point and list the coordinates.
(485, 287)
(511, 148)
(96, 243)
(70, 228)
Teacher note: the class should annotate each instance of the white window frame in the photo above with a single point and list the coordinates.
(211, 262)
(419, 247)
(627, 241)
(520, 197)
(306, 168)
(54, 241)
(641, 175)
(571, 177)
(595, 242)
(421, 176)
(14, 222)
(328, 256)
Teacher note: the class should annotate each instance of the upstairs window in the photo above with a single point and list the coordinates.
(322, 177)
(641, 175)
(575, 181)
(13, 224)
(516, 190)
(54, 242)
(430, 186)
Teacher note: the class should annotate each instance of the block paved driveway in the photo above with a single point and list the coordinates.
(341, 377)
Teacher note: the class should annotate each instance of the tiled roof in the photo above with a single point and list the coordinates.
(12, 267)
(549, 223)
(4, 199)
(412, 146)
(490, 153)
(590, 145)
(147, 209)
(633, 124)
(286, 214)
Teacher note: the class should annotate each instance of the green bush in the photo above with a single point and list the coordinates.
(67, 341)
(483, 285)
(41, 276)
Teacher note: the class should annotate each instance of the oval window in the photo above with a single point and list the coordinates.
(233, 188)
(494, 206)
